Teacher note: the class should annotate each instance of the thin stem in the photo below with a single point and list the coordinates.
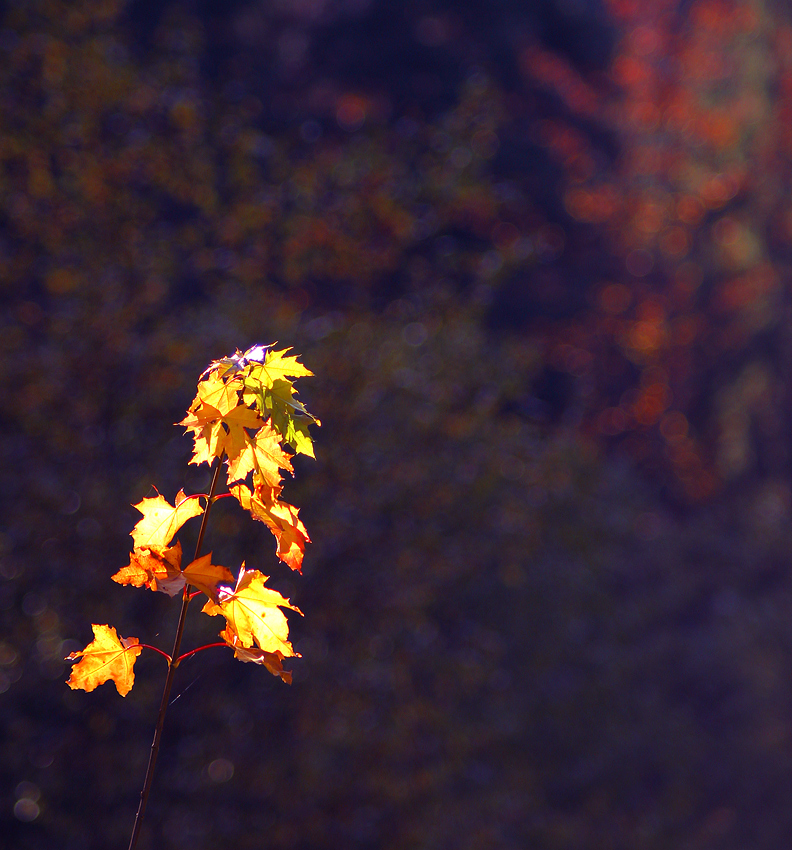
(199, 649)
(172, 665)
(154, 648)
(214, 498)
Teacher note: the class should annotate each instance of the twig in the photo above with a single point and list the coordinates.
(172, 665)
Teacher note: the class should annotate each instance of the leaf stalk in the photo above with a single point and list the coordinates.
(200, 649)
(155, 649)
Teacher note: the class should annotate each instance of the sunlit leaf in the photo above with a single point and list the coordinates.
(273, 661)
(281, 518)
(206, 576)
(107, 658)
(161, 520)
(154, 567)
(253, 612)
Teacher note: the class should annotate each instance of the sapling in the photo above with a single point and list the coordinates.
(243, 418)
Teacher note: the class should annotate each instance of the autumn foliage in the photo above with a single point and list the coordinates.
(244, 416)
(688, 291)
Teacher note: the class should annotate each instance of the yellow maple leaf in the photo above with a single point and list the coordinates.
(221, 395)
(277, 366)
(205, 423)
(206, 576)
(264, 454)
(154, 567)
(218, 430)
(161, 520)
(280, 517)
(236, 437)
(253, 612)
(107, 657)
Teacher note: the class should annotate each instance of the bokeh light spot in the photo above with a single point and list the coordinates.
(220, 770)
(351, 112)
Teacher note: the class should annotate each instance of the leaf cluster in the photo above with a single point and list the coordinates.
(245, 415)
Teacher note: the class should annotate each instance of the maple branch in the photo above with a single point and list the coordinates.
(244, 412)
(210, 499)
(172, 665)
(199, 649)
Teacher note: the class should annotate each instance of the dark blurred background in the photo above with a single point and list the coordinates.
(538, 256)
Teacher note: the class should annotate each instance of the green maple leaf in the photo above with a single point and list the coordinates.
(289, 417)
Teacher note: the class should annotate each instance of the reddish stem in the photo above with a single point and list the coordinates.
(206, 496)
(195, 496)
(163, 654)
(199, 649)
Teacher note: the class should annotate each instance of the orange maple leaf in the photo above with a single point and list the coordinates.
(252, 612)
(206, 576)
(107, 657)
(161, 520)
(154, 567)
(280, 517)
(273, 661)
